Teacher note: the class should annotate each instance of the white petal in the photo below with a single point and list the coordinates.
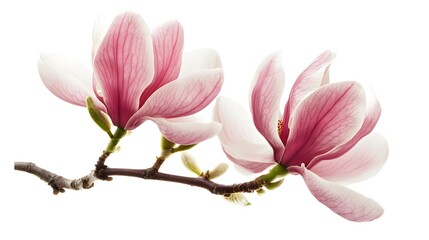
(239, 138)
(67, 80)
(199, 59)
(69, 67)
(101, 26)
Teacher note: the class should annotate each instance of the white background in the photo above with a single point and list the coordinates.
(383, 43)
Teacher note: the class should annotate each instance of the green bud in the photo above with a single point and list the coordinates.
(181, 148)
(274, 185)
(166, 144)
(190, 163)
(238, 198)
(218, 171)
(99, 117)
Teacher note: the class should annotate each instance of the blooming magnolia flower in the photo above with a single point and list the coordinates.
(139, 77)
(324, 134)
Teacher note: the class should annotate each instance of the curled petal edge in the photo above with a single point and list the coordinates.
(343, 201)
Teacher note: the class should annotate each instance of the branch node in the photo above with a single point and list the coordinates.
(100, 167)
(57, 184)
(149, 173)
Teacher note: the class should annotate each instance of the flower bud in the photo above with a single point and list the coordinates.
(99, 117)
(189, 161)
(218, 171)
(238, 198)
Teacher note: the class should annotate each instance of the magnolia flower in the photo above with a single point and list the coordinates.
(324, 134)
(139, 77)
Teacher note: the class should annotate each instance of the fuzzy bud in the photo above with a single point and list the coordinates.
(218, 171)
(190, 163)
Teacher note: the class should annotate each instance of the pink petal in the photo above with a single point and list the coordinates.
(329, 117)
(314, 76)
(363, 161)
(199, 59)
(266, 92)
(239, 138)
(124, 66)
(343, 201)
(373, 112)
(180, 98)
(167, 48)
(66, 79)
(186, 133)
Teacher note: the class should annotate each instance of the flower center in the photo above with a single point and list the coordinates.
(279, 126)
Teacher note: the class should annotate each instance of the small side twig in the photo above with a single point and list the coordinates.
(157, 165)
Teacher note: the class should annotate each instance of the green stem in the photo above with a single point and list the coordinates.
(277, 171)
(114, 140)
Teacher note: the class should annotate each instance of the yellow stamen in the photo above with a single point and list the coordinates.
(279, 126)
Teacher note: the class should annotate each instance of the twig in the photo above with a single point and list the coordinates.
(59, 183)
(201, 182)
(159, 161)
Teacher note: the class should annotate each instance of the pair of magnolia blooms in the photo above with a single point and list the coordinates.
(324, 133)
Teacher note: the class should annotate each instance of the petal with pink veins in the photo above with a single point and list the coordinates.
(314, 76)
(181, 98)
(124, 66)
(343, 201)
(239, 138)
(329, 117)
(373, 112)
(67, 80)
(199, 59)
(363, 161)
(186, 132)
(167, 48)
(266, 91)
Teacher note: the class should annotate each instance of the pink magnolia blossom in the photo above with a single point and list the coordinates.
(140, 76)
(324, 134)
